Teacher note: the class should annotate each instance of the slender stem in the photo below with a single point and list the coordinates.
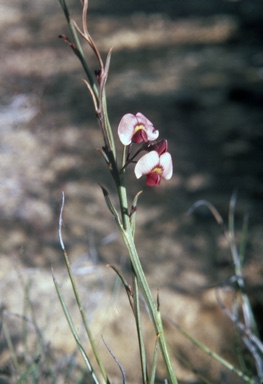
(78, 300)
(79, 51)
(124, 157)
(129, 160)
(127, 236)
(104, 109)
(137, 314)
(155, 315)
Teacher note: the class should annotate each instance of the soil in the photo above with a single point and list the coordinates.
(195, 69)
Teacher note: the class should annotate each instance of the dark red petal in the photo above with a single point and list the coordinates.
(153, 179)
(140, 136)
(160, 147)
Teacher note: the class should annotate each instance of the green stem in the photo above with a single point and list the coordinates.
(104, 110)
(137, 314)
(155, 314)
(79, 51)
(127, 236)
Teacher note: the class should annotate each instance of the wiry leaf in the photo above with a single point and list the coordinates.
(111, 207)
(78, 300)
(210, 206)
(116, 361)
(125, 284)
(214, 355)
(133, 212)
(74, 331)
(154, 363)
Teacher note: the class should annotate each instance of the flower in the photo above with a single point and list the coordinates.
(155, 166)
(137, 129)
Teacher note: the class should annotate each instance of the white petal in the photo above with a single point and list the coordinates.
(152, 134)
(142, 119)
(146, 164)
(167, 165)
(126, 128)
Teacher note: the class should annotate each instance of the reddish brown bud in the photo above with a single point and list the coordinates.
(160, 147)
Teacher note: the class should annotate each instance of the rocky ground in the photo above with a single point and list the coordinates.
(196, 71)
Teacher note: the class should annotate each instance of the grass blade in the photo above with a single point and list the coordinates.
(77, 298)
(74, 331)
(214, 355)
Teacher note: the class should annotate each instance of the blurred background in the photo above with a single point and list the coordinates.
(195, 69)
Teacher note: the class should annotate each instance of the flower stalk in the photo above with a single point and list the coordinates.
(155, 313)
(134, 129)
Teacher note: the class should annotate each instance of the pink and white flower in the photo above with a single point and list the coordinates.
(156, 167)
(137, 129)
